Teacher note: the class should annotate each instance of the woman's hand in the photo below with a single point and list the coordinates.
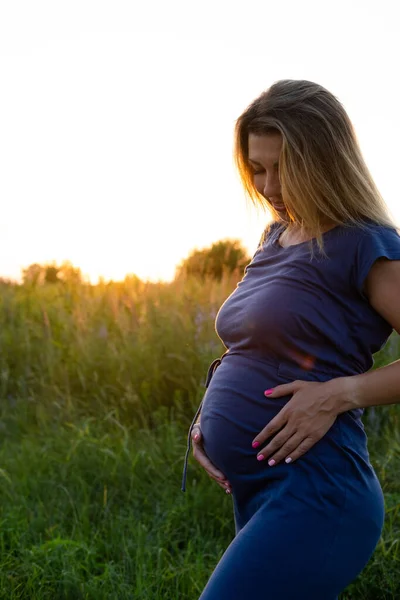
(205, 462)
(303, 421)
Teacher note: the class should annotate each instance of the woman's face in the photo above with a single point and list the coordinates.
(264, 152)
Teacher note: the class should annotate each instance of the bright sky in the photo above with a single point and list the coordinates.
(116, 119)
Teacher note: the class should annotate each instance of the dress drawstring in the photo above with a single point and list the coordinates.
(211, 370)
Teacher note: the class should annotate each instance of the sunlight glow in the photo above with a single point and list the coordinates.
(116, 143)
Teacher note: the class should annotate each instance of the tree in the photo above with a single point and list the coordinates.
(225, 256)
(67, 273)
(51, 274)
(33, 275)
(37, 274)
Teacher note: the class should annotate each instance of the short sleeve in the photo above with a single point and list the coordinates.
(270, 232)
(376, 242)
(265, 236)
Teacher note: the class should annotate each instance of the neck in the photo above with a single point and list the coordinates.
(296, 227)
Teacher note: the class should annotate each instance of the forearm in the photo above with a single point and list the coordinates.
(378, 387)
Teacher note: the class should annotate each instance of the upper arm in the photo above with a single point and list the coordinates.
(382, 287)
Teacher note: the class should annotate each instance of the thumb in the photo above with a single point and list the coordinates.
(196, 433)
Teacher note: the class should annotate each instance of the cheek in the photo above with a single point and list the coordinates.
(259, 183)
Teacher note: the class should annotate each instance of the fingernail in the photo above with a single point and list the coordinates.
(255, 444)
(227, 491)
(260, 457)
(196, 437)
(288, 460)
(271, 462)
(268, 392)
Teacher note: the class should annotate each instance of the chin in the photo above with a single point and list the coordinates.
(282, 216)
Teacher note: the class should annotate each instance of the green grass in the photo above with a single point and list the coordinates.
(98, 386)
(93, 509)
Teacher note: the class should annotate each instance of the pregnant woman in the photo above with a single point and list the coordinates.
(280, 424)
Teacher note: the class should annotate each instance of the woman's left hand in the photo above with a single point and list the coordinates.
(303, 421)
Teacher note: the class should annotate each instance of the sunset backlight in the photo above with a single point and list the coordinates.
(116, 129)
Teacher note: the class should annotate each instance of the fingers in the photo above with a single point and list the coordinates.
(284, 389)
(281, 449)
(205, 462)
(202, 458)
(301, 449)
(275, 425)
(196, 433)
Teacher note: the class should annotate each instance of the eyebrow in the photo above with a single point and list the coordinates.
(255, 162)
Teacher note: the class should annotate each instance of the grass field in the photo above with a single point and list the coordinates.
(98, 386)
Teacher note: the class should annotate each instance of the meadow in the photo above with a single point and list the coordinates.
(98, 386)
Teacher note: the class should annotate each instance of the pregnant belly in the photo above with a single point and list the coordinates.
(235, 410)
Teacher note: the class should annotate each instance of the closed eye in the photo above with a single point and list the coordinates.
(258, 169)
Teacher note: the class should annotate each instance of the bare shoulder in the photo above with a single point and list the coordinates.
(382, 288)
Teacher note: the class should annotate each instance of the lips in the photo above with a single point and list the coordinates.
(278, 207)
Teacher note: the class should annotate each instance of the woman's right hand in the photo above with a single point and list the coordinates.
(205, 462)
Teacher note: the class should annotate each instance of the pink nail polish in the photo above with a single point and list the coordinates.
(260, 457)
(268, 392)
(271, 462)
(228, 491)
(255, 444)
(196, 437)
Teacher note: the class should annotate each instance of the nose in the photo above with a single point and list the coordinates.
(272, 186)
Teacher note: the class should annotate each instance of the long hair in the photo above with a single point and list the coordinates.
(321, 169)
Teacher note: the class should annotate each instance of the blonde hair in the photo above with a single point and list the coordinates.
(322, 172)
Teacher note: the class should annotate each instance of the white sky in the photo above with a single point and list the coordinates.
(116, 119)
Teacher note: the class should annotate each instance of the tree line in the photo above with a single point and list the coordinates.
(222, 257)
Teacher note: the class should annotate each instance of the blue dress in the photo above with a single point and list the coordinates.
(304, 530)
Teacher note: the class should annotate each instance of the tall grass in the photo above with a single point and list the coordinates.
(98, 385)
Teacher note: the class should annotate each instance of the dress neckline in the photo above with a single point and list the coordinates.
(281, 229)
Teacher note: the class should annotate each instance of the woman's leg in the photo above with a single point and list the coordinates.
(302, 555)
